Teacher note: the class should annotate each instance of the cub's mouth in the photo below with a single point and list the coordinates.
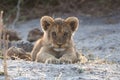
(59, 49)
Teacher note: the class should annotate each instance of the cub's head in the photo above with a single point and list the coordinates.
(58, 32)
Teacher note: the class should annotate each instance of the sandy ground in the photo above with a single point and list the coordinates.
(21, 70)
(94, 36)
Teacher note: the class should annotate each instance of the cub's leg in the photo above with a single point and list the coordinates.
(45, 57)
(36, 49)
(69, 57)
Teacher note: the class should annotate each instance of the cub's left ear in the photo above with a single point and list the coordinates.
(73, 22)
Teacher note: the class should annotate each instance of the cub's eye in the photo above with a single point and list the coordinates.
(65, 34)
(54, 34)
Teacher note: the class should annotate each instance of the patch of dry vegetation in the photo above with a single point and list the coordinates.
(5, 46)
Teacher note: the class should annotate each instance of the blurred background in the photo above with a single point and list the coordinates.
(30, 9)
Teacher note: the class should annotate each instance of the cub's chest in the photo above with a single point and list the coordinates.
(58, 52)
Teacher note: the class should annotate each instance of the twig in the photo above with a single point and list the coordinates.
(17, 14)
(5, 45)
(59, 77)
(5, 58)
(1, 28)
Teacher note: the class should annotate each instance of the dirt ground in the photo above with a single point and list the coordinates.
(21, 70)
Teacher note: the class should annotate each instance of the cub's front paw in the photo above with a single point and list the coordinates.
(52, 61)
(65, 61)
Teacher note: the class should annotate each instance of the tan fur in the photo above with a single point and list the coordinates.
(56, 45)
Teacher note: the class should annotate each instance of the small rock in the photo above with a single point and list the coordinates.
(111, 47)
(17, 53)
(34, 34)
(27, 46)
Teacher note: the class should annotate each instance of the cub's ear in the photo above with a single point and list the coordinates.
(46, 21)
(73, 22)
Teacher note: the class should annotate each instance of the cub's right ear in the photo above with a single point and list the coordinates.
(46, 21)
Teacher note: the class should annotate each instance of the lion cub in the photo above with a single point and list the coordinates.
(56, 45)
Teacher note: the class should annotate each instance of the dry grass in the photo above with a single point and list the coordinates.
(4, 44)
(1, 26)
(59, 76)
